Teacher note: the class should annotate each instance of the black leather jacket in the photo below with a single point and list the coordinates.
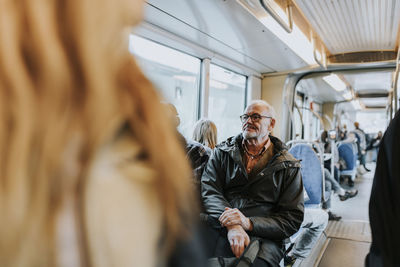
(273, 199)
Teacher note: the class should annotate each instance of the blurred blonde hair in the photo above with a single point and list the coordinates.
(66, 74)
(205, 132)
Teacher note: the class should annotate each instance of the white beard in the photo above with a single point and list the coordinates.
(249, 135)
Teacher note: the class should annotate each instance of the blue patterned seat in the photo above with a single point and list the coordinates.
(349, 154)
(311, 171)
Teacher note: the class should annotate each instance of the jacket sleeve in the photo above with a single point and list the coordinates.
(212, 186)
(290, 210)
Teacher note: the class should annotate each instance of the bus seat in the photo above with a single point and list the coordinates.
(311, 171)
(312, 174)
(349, 155)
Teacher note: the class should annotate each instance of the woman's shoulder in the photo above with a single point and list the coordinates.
(123, 209)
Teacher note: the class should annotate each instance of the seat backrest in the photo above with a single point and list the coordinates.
(311, 171)
(347, 153)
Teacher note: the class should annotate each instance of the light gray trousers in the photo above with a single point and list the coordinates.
(315, 221)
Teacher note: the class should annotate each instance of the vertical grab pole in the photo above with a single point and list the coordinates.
(394, 83)
(332, 158)
(204, 88)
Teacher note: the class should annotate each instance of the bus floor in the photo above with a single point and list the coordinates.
(346, 242)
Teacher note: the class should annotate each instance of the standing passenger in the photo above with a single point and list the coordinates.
(361, 145)
(343, 133)
(374, 145)
(91, 172)
(252, 187)
(384, 208)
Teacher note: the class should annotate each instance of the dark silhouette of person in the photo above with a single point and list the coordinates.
(384, 204)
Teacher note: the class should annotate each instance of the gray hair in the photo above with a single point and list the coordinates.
(265, 104)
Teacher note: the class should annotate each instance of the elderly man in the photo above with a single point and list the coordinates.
(252, 187)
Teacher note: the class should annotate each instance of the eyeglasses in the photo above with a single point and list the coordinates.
(255, 117)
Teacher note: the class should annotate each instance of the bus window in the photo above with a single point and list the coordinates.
(315, 124)
(298, 116)
(175, 74)
(372, 121)
(226, 101)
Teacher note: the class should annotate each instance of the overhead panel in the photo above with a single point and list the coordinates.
(370, 81)
(348, 26)
(375, 102)
(319, 90)
(222, 30)
(374, 93)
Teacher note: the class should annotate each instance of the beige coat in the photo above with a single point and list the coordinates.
(124, 218)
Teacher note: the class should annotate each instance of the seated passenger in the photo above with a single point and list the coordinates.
(334, 152)
(343, 132)
(189, 251)
(196, 153)
(343, 162)
(332, 185)
(338, 189)
(205, 132)
(252, 188)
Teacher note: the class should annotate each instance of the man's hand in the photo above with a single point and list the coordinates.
(235, 217)
(238, 239)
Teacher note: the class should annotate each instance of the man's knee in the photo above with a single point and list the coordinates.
(211, 236)
(261, 263)
(271, 252)
(320, 217)
(315, 218)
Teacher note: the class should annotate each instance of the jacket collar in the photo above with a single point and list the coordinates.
(233, 146)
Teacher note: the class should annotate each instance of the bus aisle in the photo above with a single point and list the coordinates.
(346, 242)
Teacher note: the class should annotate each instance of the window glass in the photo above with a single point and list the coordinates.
(316, 124)
(312, 124)
(226, 100)
(175, 74)
(307, 118)
(298, 116)
(371, 122)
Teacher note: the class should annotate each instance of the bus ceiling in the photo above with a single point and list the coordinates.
(280, 35)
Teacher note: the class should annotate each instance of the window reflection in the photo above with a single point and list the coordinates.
(226, 100)
(175, 74)
(299, 116)
(371, 122)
